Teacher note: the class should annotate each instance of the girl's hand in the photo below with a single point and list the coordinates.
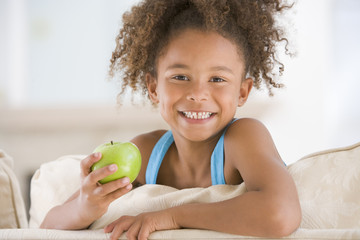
(95, 198)
(140, 226)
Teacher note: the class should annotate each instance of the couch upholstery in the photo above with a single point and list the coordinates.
(12, 208)
(327, 183)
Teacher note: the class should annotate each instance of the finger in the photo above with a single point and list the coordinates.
(119, 227)
(133, 231)
(144, 233)
(87, 162)
(116, 233)
(120, 192)
(115, 189)
(99, 174)
(110, 227)
(116, 185)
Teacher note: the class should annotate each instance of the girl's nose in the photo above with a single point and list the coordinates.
(198, 92)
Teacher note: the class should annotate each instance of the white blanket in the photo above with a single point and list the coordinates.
(156, 197)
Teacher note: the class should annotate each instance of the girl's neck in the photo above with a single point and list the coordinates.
(188, 163)
(194, 156)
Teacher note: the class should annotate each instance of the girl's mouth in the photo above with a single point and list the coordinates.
(197, 115)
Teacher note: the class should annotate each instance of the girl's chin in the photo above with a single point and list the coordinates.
(193, 137)
(196, 133)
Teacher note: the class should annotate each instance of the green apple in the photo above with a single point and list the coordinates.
(125, 155)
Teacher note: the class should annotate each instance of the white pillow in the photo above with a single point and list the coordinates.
(51, 185)
(327, 182)
(12, 207)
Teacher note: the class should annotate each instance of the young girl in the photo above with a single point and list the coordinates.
(197, 60)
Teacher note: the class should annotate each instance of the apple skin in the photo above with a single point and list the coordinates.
(125, 155)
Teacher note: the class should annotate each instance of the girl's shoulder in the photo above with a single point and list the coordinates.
(146, 142)
(247, 135)
(149, 138)
(249, 148)
(245, 128)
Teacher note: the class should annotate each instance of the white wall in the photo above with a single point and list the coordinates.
(343, 99)
(58, 52)
(54, 57)
(299, 118)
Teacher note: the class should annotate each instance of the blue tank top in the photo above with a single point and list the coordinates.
(162, 146)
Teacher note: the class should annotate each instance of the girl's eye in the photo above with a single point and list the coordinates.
(217, 79)
(181, 78)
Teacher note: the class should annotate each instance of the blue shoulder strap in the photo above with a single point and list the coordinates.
(157, 156)
(217, 163)
(217, 159)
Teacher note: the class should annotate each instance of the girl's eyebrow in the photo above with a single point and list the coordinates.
(222, 68)
(177, 65)
(216, 68)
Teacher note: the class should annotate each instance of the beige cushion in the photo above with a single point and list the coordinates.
(327, 182)
(12, 207)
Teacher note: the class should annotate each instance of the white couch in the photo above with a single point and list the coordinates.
(328, 184)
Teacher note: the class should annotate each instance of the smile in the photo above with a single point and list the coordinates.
(197, 115)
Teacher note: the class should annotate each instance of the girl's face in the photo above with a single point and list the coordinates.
(199, 84)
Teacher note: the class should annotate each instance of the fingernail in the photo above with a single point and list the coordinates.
(97, 155)
(126, 180)
(113, 167)
(128, 187)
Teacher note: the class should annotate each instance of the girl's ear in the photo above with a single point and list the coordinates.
(245, 89)
(151, 84)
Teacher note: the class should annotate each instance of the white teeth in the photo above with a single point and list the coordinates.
(197, 115)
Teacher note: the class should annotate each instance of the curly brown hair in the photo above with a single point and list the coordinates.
(149, 26)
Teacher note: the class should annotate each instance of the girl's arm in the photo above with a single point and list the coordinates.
(91, 201)
(267, 211)
(269, 208)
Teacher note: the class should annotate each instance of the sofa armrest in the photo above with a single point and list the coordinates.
(12, 207)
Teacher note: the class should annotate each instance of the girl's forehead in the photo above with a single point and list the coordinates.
(194, 45)
(196, 36)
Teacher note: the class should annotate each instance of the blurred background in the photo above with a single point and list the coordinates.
(55, 98)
